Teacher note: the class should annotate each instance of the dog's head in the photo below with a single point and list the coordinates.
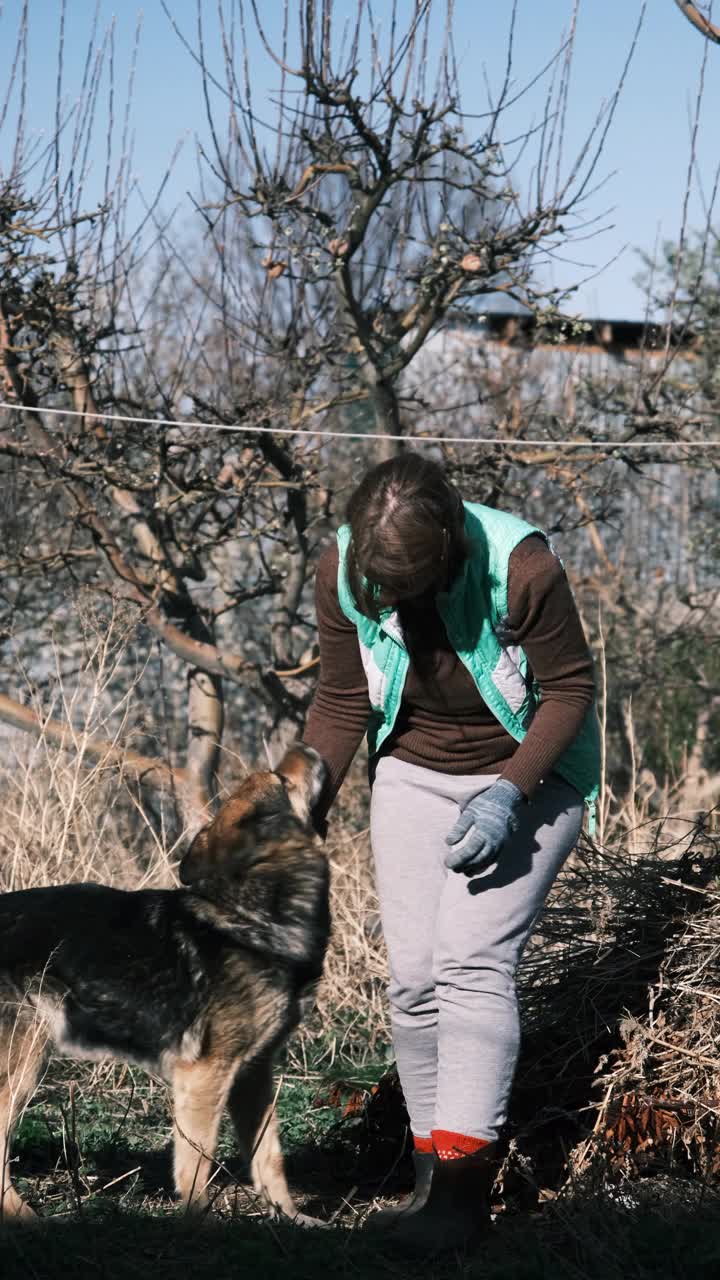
(267, 808)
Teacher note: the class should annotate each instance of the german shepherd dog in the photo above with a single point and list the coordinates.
(200, 984)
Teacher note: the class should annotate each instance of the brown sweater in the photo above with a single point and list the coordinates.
(443, 722)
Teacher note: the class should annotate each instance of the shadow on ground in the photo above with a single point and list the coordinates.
(646, 1232)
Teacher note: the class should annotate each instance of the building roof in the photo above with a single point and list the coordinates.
(613, 336)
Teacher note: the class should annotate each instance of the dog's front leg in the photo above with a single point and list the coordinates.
(252, 1110)
(23, 1042)
(200, 1091)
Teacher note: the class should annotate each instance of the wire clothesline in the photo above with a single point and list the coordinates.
(366, 435)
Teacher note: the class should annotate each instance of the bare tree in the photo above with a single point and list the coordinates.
(141, 513)
(377, 204)
(327, 266)
(340, 238)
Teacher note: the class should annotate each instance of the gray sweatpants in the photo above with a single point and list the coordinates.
(454, 941)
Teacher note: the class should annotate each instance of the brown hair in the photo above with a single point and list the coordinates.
(407, 532)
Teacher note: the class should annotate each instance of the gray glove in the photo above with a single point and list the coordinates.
(490, 817)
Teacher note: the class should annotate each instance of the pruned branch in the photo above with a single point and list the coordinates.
(699, 21)
(146, 769)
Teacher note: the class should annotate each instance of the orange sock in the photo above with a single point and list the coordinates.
(453, 1146)
(423, 1144)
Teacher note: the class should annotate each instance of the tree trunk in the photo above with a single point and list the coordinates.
(205, 707)
(206, 717)
(387, 418)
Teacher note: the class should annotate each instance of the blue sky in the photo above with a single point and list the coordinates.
(645, 160)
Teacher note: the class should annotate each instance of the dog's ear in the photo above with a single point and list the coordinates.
(222, 847)
(304, 774)
(195, 863)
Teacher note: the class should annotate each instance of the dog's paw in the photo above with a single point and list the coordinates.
(16, 1212)
(304, 1220)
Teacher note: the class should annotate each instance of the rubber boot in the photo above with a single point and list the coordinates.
(383, 1218)
(455, 1211)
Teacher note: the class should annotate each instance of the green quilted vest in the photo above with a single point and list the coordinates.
(474, 612)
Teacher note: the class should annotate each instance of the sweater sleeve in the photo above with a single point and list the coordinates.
(339, 712)
(543, 618)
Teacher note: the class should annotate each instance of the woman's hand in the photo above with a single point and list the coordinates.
(490, 818)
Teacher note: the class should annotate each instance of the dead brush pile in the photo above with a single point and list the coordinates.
(620, 1067)
(662, 1085)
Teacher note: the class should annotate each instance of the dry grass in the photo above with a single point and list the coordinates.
(350, 1024)
(65, 820)
(68, 815)
(69, 820)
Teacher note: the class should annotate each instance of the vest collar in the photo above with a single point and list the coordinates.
(390, 623)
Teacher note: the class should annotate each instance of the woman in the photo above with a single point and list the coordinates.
(449, 634)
